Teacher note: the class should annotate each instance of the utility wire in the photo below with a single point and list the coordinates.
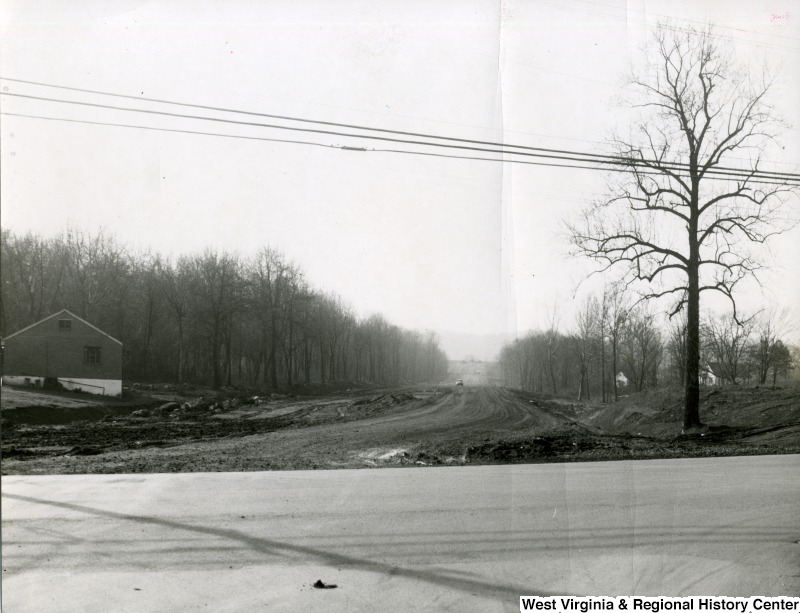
(342, 147)
(294, 142)
(175, 130)
(585, 158)
(594, 158)
(284, 117)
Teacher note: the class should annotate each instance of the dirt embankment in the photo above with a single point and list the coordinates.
(176, 430)
(743, 413)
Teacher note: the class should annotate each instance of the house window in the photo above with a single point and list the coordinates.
(91, 355)
(64, 325)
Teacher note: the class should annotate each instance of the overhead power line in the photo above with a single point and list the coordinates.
(342, 147)
(571, 155)
(296, 142)
(282, 117)
(174, 130)
(678, 168)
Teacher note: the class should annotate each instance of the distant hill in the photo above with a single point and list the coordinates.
(461, 346)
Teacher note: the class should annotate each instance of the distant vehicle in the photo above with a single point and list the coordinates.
(460, 382)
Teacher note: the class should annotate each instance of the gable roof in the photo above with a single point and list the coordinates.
(71, 314)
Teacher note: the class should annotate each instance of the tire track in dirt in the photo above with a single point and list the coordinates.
(471, 410)
(343, 432)
(465, 414)
(393, 427)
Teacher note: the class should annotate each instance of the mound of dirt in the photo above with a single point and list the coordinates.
(439, 426)
(17, 398)
(658, 413)
(49, 415)
(729, 409)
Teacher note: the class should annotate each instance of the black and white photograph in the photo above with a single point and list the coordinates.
(400, 305)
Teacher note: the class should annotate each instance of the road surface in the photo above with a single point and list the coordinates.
(435, 539)
(310, 433)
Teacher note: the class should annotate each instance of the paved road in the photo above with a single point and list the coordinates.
(459, 539)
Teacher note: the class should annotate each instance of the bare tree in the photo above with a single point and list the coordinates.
(642, 349)
(616, 314)
(676, 350)
(583, 343)
(206, 317)
(602, 329)
(97, 270)
(554, 342)
(783, 361)
(727, 341)
(296, 294)
(682, 212)
(32, 277)
(148, 294)
(214, 277)
(770, 327)
(175, 287)
(270, 279)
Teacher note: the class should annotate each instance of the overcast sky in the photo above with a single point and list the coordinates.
(432, 243)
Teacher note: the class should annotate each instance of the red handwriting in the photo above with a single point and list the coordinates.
(779, 16)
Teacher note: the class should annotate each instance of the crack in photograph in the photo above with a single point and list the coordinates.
(399, 305)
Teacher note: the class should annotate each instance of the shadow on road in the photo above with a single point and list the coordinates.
(452, 580)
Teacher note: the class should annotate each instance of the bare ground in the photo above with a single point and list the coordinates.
(170, 429)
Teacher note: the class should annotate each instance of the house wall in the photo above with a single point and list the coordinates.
(708, 378)
(46, 351)
(104, 387)
(23, 381)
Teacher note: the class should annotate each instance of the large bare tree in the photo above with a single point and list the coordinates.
(690, 198)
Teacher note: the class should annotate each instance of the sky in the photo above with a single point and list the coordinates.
(455, 246)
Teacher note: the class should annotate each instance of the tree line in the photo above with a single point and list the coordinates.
(211, 317)
(613, 334)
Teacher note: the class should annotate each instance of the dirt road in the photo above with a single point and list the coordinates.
(348, 431)
(441, 425)
(464, 411)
